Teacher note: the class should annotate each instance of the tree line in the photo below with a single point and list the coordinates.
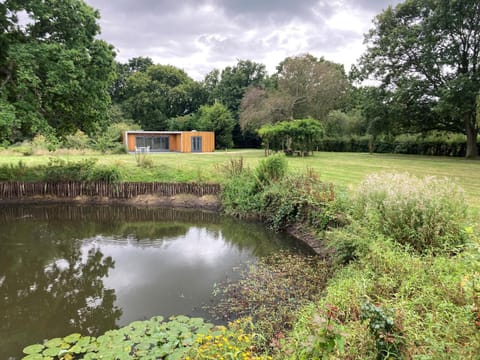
(57, 78)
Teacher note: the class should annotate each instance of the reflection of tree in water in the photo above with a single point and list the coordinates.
(43, 298)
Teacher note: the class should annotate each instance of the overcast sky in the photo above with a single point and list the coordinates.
(200, 35)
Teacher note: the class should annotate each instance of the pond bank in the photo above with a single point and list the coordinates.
(205, 202)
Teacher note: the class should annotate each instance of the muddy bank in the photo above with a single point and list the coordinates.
(206, 202)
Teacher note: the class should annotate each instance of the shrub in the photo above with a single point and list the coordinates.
(240, 196)
(78, 141)
(11, 172)
(109, 174)
(297, 199)
(424, 214)
(271, 169)
(388, 339)
(317, 335)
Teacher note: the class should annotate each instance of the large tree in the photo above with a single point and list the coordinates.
(159, 93)
(315, 86)
(305, 87)
(54, 73)
(427, 53)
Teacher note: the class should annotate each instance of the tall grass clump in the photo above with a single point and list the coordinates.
(271, 169)
(424, 214)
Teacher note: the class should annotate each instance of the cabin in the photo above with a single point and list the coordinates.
(165, 141)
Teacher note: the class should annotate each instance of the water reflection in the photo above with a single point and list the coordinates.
(85, 269)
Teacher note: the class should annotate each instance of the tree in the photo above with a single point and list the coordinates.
(217, 118)
(305, 86)
(229, 86)
(159, 93)
(315, 86)
(427, 53)
(54, 72)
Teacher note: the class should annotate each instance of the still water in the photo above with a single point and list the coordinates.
(89, 269)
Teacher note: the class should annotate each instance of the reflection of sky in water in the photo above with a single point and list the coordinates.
(166, 276)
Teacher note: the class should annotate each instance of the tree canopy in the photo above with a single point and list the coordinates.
(156, 93)
(54, 74)
(306, 86)
(426, 53)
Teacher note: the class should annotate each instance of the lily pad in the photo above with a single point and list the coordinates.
(53, 343)
(33, 349)
(72, 338)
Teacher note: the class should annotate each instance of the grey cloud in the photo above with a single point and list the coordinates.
(170, 31)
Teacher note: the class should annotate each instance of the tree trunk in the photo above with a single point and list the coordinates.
(472, 132)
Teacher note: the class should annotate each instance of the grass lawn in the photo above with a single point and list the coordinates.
(342, 169)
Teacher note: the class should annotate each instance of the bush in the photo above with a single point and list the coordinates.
(296, 199)
(424, 214)
(58, 170)
(240, 196)
(271, 169)
(11, 172)
(78, 141)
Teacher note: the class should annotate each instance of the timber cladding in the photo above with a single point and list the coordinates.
(125, 190)
(168, 141)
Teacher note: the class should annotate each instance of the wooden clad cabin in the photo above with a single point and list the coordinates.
(163, 141)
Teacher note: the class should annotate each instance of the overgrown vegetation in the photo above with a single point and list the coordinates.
(270, 292)
(280, 200)
(399, 293)
(59, 170)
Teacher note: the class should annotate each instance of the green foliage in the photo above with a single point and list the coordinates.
(296, 136)
(240, 196)
(381, 324)
(271, 169)
(317, 335)
(78, 141)
(232, 168)
(9, 124)
(279, 200)
(55, 73)
(435, 144)
(158, 93)
(298, 199)
(340, 124)
(59, 170)
(12, 172)
(110, 139)
(217, 118)
(401, 46)
(424, 214)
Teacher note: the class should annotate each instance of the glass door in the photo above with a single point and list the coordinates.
(196, 144)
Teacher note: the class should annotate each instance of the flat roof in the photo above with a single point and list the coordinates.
(154, 132)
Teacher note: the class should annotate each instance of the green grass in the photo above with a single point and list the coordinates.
(342, 169)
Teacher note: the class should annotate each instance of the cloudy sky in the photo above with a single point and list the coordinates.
(200, 35)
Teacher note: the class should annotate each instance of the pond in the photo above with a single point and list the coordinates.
(89, 269)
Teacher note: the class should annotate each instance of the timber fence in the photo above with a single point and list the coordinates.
(125, 190)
